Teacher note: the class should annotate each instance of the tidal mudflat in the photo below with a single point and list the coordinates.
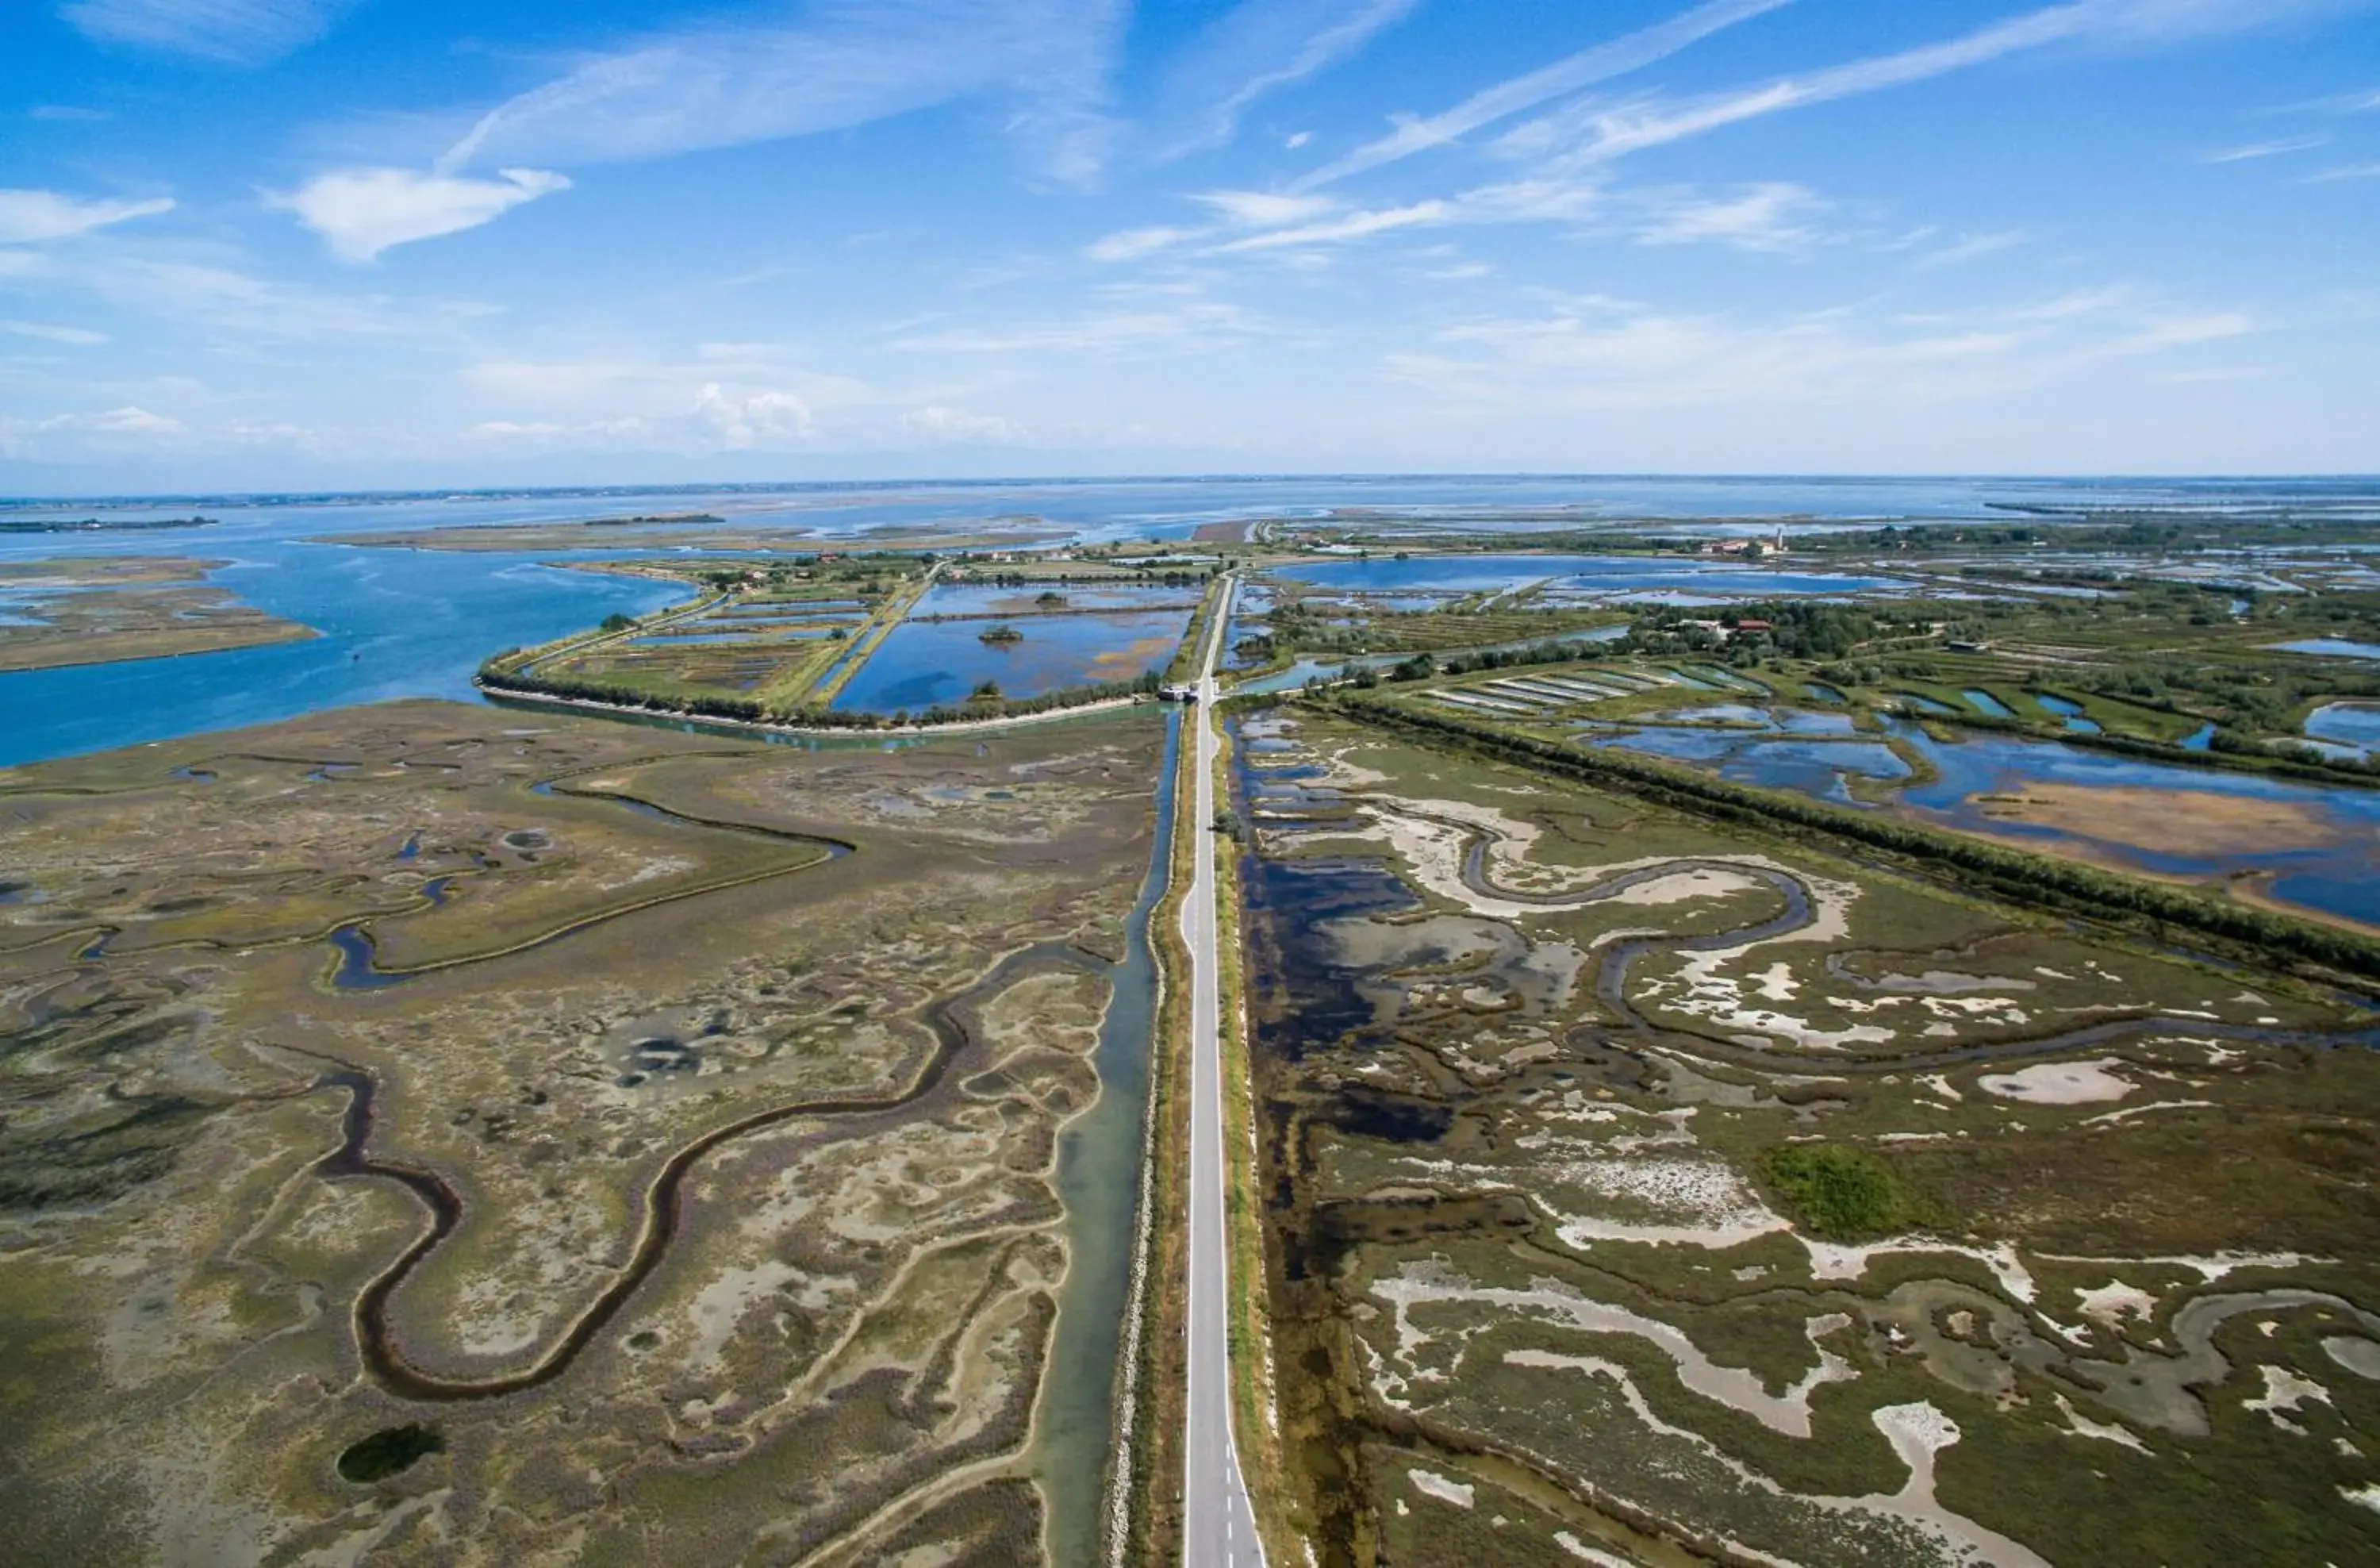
(1645, 1191)
(101, 610)
(435, 1133)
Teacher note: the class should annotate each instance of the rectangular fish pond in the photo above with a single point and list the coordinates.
(921, 663)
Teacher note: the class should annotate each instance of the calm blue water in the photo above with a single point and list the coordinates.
(2070, 711)
(1988, 705)
(2332, 648)
(984, 599)
(1569, 574)
(422, 621)
(921, 663)
(2341, 878)
(2350, 730)
(395, 623)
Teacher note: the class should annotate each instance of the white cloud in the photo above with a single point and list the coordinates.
(231, 32)
(1265, 209)
(1973, 246)
(1583, 69)
(1043, 62)
(80, 337)
(361, 212)
(31, 216)
(2263, 149)
(1259, 48)
(1614, 355)
(2343, 172)
(956, 426)
(743, 419)
(1768, 217)
(1188, 328)
(1354, 226)
(1590, 133)
(1133, 243)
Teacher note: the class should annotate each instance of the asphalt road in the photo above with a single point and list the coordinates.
(1218, 1526)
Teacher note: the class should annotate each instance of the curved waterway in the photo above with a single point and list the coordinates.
(955, 1028)
(1612, 981)
(1097, 1177)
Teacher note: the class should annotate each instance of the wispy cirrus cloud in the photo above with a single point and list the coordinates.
(1587, 133)
(1970, 248)
(1042, 63)
(1573, 74)
(238, 32)
(360, 213)
(2251, 151)
(30, 218)
(1775, 217)
(1606, 354)
(81, 337)
(1257, 48)
(2343, 172)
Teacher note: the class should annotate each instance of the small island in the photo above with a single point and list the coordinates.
(1001, 635)
(102, 525)
(98, 611)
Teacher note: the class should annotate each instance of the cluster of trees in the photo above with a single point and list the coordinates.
(2013, 875)
(985, 702)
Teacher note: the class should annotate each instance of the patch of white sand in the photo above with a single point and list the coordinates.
(2082, 1425)
(1588, 1554)
(2285, 1395)
(1735, 1387)
(1841, 1260)
(2115, 1301)
(1430, 1483)
(2058, 1082)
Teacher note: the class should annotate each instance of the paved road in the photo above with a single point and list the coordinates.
(1219, 1526)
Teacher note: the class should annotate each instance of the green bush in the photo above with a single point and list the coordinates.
(1837, 1192)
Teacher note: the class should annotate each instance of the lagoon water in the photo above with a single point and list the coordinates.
(1570, 575)
(921, 663)
(422, 621)
(2341, 878)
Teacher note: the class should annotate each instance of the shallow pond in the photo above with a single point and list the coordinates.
(2340, 876)
(2352, 727)
(2331, 646)
(921, 663)
(1571, 574)
(2071, 711)
(1986, 703)
(988, 599)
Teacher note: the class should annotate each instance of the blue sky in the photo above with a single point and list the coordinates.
(328, 243)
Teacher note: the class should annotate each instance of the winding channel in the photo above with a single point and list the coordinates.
(948, 1019)
(1611, 980)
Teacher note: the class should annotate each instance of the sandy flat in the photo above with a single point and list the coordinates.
(2171, 821)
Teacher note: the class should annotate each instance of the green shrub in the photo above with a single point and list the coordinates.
(1837, 1192)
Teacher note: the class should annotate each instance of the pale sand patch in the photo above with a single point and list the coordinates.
(2108, 1118)
(1701, 1203)
(1843, 1260)
(2082, 1425)
(2058, 1082)
(1430, 1483)
(1588, 1554)
(2172, 821)
(2115, 1301)
(2285, 1395)
(1422, 1284)
(2365, 1496)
